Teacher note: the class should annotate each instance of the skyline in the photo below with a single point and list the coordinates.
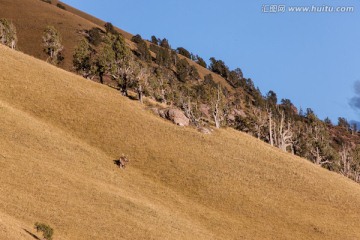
(310, 58)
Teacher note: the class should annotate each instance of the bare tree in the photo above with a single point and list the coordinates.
(345, 160)
(270, 117)
(260, 121)
(217, 110)
(285, 134)
(142, 81)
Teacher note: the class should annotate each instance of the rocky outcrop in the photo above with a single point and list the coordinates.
(175, 115)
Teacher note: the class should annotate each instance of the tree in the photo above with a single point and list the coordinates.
(217, 105)
(219, 67)
(271, 98)
(200, 61)
(284, 134)
(52, 44)
(345, 160)
(184, 52)
(142, 48)
(8, 35)
(82, 58)
(342, 122)
(142, 76)
(163, 57)
(317, 143)
(104, 61)
(165, 44)
(154, 40)
(124, 63)
(110, 28)
(183, 70)
(46, 230)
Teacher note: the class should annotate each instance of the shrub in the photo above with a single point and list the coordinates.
(59, 5)
(46, 230)
(47, 1)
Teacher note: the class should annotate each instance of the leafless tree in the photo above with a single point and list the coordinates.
(142, 81)
(270, 118)
(285, 134)
(260, 122)
(217, 108)
(345, 160)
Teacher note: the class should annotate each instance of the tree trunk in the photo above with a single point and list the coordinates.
(270, 129)
(140, 94)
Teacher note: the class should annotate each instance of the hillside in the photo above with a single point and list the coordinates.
(32, 16)
(60, 134)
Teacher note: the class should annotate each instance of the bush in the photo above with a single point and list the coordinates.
(59, 5)
(47, 1)
(46, 230)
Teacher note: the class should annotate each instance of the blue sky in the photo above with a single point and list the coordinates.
(311, 58)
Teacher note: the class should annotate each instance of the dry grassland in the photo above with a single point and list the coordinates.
(60, 133)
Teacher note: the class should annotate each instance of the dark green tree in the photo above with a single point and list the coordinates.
(154, 40)
(165, 43)
(200, 61)
(142, 48)
(183, 52)
(219, 67)
(82, 58)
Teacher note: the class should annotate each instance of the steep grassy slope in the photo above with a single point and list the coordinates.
(32, 16)
(59, 135)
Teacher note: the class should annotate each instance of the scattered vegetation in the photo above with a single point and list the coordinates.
(174, 81)
(46, 230)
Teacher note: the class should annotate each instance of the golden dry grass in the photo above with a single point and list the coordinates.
(60, 133)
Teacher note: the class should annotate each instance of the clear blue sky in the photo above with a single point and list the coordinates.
(311, 58)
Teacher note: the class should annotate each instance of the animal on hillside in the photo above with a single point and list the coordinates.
(122, 161)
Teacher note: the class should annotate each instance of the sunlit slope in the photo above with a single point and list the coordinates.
(31, 18)
(59, 135)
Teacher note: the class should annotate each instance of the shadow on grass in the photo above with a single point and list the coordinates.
(31, 234)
